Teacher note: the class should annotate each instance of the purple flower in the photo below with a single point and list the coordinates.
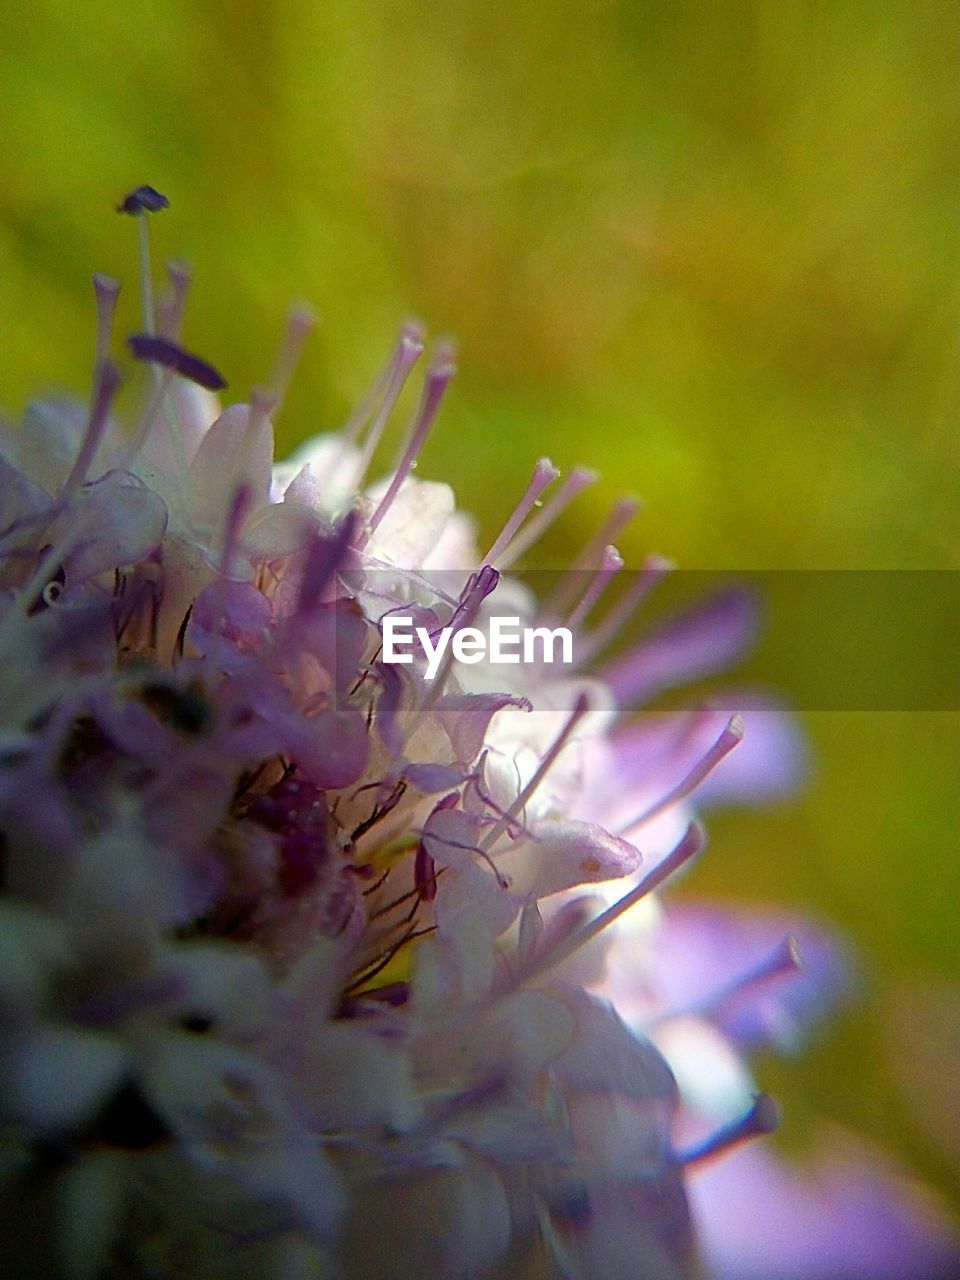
(316, 965)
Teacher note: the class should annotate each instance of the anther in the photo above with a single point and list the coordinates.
(163, 351)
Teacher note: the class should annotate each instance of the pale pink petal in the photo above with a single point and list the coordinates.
(847, 1214)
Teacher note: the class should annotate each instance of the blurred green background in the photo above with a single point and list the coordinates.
(710, 248)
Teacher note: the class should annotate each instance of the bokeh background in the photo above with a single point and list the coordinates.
(708, 247)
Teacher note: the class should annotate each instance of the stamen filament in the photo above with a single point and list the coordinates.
(409, 350)
(438, 378)
(353, 428)
(731, 736)
(107, 291)
(107, 381)
(564, 593)
(170, 308)
(610, 565)
(762, 1118)
(637, 593)
(576, 715)
(580, 478)
(544, 473)
(300, 324)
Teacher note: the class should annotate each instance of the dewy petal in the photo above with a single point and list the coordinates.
(846, 1213)
(352, 1079)
(636, 1230)
(20, 499)
(466, 718)
(49, 441)
(278, 530)
(224, 985)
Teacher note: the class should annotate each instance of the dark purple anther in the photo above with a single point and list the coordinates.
(143, 200)
(150, 346)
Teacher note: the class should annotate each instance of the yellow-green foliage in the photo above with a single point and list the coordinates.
(710, 248)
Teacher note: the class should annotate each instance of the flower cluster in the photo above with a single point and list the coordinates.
(313, 966)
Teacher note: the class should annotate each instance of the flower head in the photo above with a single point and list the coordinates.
(316, 964)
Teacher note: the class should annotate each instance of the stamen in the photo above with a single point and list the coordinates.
(690, 845)
(107, 381)
(424, 867)
(478, 587)
(784, 960)
(170, 355)
(437, 380)
(731, 736)
(761, 1119)
(146, 277)
(562, 597)
(144, 200)
(637, 593)
(411, 333)
(580, 478)
(544, 473)
(610, 565)
(147, 419)
(107, 290)
(171, 306)
(325, 556)
(300, 325)
(237, 513)
(409, 350)
(576, 715)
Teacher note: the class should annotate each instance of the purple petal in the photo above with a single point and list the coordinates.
(772, 760)
(332, 750)
(850, 1214)
(702, 640)
(704, 952)
(235, 611)
(431, 778)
